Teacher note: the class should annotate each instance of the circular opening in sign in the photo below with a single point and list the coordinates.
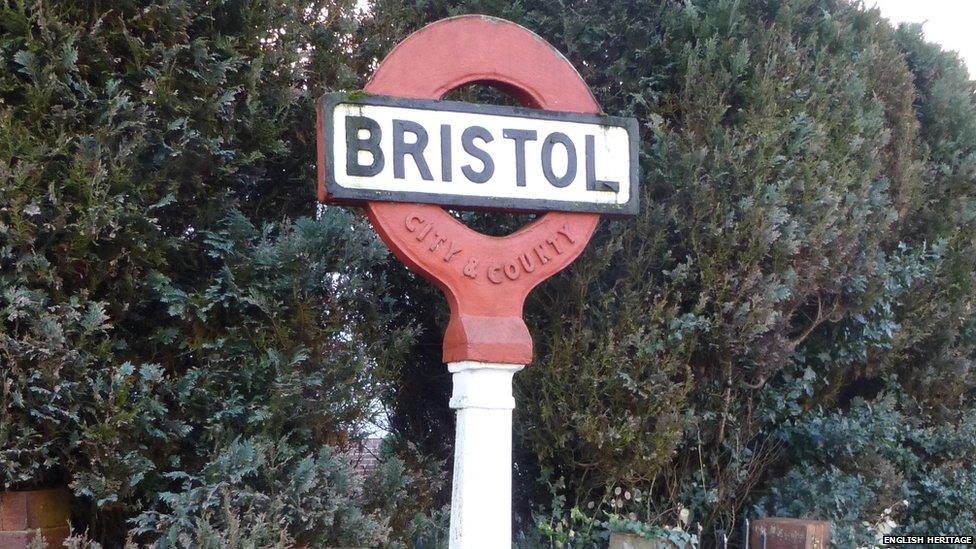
(483, 93)
(489, 223)
(494, 223)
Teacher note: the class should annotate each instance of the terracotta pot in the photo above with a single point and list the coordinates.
(24, 514)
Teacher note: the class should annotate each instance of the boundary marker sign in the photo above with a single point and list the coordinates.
(485, 278)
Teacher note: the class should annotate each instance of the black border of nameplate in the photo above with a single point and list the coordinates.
(335, 191)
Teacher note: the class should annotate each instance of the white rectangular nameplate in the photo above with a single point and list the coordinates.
(471, 156)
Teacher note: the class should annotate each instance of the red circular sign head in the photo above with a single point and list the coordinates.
(485, 278)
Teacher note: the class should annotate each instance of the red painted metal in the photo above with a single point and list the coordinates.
(486, 279)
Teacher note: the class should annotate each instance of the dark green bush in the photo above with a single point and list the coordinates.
(878, 461)
(273, 494)
(166, 283)
(806, 239)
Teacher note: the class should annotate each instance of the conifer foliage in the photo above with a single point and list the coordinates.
(788, 325)
(182, 337)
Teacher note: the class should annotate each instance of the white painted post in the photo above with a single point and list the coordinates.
(481, 495)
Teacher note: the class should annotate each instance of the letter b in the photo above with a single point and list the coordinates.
(371, 144)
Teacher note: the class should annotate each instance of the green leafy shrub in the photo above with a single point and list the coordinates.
(807, 231)
(271, 493)
(619, 511)
(167, 286)
(878, 459)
